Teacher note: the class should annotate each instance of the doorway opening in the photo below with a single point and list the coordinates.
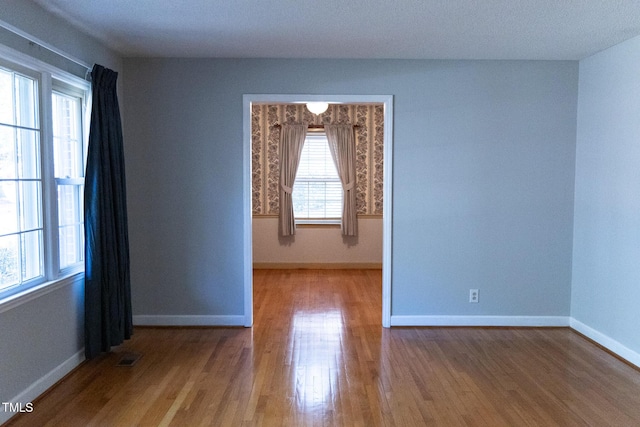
(387, 102)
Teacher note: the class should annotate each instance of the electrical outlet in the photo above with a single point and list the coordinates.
(473, 295)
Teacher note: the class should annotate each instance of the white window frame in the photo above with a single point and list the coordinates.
(303, 220)
(47, 78)
(65, 89)
(36, 222)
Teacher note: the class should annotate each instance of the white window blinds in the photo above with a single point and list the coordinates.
(317, 191)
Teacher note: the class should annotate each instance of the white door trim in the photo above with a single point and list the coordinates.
(387, 100)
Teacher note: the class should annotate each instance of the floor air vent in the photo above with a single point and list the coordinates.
(128, 359)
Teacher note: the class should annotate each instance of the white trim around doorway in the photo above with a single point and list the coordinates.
(387, 101)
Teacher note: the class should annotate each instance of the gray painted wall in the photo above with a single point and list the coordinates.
(484, 184)
(484, 155)
(606, 260)
(38, 337)
(44, 334)
(31, 18)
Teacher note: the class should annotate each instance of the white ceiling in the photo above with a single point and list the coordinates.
(407, 29)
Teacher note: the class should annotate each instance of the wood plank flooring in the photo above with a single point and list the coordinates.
(317, 356)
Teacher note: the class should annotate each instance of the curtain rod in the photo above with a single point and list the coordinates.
(277, 125)
(44, 45)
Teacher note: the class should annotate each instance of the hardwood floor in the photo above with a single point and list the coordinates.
(317, 356)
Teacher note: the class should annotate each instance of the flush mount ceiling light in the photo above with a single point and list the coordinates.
(317, 107)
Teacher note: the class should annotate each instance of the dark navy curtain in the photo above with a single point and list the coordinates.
(108, 320)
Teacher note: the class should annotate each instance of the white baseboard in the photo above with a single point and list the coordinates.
(317, 266)
(609, 343)
(521, 321)
(44, 383)
(162, 320)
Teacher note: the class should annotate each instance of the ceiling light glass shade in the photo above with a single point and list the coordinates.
(317, 107)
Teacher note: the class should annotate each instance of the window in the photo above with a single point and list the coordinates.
(69, 159)
(317, 191)
(21, 222)
(42, 150)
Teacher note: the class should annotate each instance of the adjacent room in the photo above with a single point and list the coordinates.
(318, 241)
(472, 260)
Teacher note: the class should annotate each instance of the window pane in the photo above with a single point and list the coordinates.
(81, 202)
(31, 255)
(316, 160)
(31, 209)
(300, 200)
(7, 153)
(71, 245)
(6, 97)
(28, 159)
(326, 199)
(26, 102)
(316, 199)
(8, 208)
(67, 136)
(69, 204)
(9, 261)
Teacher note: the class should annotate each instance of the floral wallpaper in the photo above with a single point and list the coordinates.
(265, 147)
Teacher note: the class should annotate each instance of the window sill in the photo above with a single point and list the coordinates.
(37, 291)
(318, 223)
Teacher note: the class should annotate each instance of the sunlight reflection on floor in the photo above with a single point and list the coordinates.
(317, 357)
